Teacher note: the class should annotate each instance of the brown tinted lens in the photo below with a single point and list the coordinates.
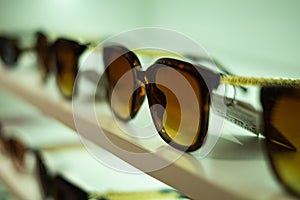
(181, 120)
(66, 72)
(284, 119)
(67, 54)
(121, 83)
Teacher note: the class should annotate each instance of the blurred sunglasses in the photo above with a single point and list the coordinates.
(45, 177)
(60, 57)
(15, 150)
(57, 187)
(281, 111)
(129, 91)
(10, 50)
(63, 189)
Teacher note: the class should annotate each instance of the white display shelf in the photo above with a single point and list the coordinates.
(233, 170)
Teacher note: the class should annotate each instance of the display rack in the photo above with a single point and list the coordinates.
(233, 170)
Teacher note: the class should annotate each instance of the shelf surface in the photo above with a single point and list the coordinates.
(235, 169)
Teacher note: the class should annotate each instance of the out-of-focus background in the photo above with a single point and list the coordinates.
(245, 35)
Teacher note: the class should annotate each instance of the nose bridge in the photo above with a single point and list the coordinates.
(141, 76)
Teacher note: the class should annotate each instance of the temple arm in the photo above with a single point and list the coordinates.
(256, 81)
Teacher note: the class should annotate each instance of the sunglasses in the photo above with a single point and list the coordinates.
(281, 111)
(14, 149)
(127, 91)
(61, 57)
(17, 151)
(45, 177)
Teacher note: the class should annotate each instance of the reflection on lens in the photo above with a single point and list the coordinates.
(284, 118)
(182, 117)
(121, 85)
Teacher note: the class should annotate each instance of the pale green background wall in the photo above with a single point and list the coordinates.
(252, 37)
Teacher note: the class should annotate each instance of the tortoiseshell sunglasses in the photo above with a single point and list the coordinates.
(137, 84)
(60, 57)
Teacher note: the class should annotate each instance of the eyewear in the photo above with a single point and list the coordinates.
(14, 149)
(60, 57)
(59, 188)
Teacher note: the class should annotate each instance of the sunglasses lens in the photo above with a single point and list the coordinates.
(9, 52)
(67, 55)
(180, 94)
(66, 73)
(121, 82)
(283, 119)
